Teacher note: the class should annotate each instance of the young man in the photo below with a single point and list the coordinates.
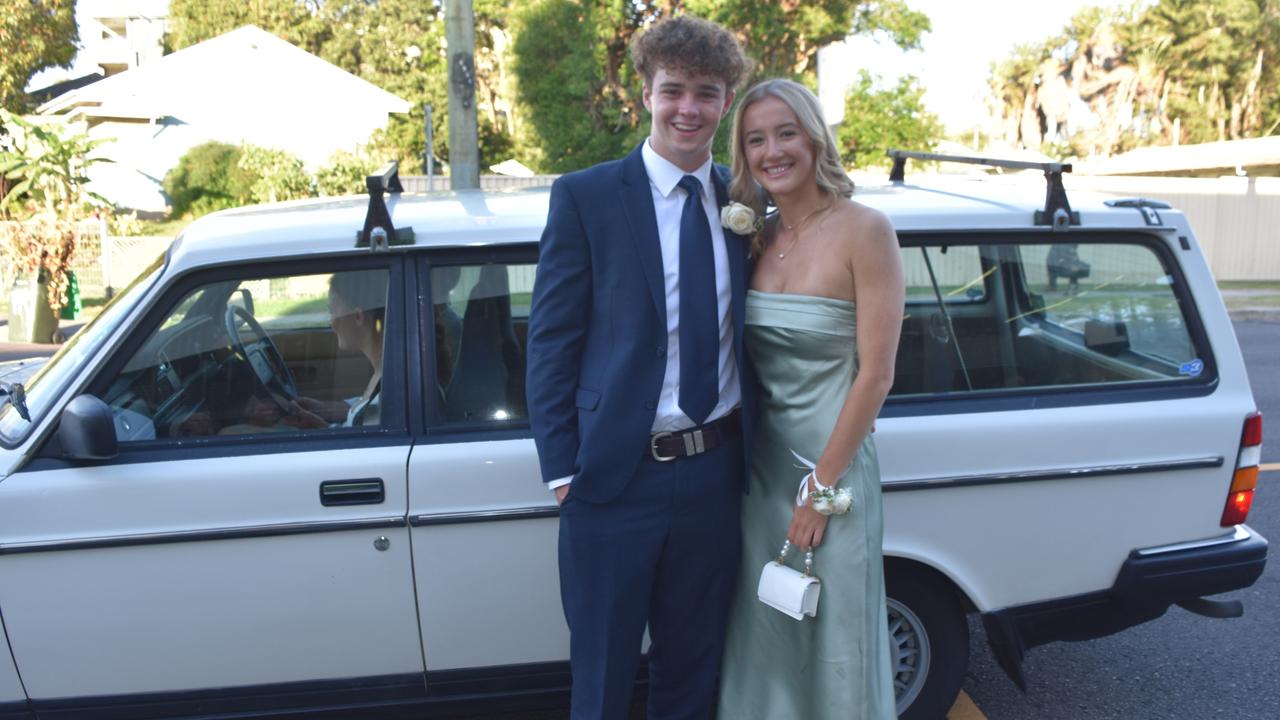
(639, 393)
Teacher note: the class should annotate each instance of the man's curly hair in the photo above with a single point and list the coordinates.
(692, 45)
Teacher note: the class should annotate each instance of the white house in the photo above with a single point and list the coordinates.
(246, 86)
(115, 36)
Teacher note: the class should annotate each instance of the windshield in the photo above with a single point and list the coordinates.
(44, 388)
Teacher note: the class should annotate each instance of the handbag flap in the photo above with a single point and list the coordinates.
(788, 590)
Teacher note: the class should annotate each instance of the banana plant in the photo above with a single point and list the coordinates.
(46, 165)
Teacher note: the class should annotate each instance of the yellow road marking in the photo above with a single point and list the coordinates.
(1270, 467)
(964, 709)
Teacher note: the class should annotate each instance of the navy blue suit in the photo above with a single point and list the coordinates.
(640, 541)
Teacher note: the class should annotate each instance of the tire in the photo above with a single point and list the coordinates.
(929, 643)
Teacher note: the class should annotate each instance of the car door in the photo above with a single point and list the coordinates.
(1057, 405)
(238, 552)
(484, 527)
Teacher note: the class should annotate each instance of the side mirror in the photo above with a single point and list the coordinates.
(1108, 338)
(86, 431)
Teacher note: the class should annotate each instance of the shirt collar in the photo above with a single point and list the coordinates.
(665, 175)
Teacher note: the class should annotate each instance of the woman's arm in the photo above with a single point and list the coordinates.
(879, 290)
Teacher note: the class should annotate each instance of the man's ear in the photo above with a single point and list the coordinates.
(646, 94)
(728, 103)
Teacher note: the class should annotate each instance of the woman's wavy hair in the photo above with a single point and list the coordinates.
(831, 175)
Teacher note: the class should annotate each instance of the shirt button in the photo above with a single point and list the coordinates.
(662, 350)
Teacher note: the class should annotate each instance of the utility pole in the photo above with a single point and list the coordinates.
(428, 156)
(464, 150)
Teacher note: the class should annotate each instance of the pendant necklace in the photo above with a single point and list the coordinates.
(795, 231)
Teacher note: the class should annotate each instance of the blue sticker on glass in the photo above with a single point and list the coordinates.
(1191, 367)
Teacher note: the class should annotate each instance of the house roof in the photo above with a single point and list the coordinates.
(1227, 157)
(248, 64)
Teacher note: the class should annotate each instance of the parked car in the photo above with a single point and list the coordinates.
(195, 520)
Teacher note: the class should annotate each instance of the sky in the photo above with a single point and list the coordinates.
(967, 37)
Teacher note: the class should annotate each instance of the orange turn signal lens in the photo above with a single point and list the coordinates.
(1240, 499)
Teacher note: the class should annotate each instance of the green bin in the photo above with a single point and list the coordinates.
(73, 305)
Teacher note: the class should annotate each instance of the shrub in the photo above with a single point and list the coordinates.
(345, 174)
(208, 178)
(277, 174)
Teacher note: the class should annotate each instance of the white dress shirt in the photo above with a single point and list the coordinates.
(668, 205)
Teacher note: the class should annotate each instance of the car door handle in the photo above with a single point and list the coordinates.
(366, 491)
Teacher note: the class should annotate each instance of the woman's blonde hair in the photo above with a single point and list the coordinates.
(830, 174)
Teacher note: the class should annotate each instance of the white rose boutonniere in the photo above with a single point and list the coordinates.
(740, 219)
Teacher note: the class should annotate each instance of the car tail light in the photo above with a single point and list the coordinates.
(1245, 479)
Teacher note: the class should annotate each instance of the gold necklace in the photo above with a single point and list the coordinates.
(795, 232)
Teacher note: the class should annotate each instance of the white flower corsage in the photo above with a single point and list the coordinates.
(827, 499)
(740, 219)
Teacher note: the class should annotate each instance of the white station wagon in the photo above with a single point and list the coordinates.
(1070, 448)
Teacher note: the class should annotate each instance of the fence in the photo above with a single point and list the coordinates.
(418, 183)
(106, 263)
(1235, 219)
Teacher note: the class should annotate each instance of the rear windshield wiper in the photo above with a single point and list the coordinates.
(17, 397)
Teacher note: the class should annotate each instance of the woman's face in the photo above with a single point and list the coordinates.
(779, 154)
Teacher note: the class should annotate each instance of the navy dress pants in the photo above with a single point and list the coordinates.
(665, 554)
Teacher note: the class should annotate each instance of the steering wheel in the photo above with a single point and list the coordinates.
(264, 358)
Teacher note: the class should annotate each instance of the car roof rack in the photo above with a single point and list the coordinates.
(378, 232)
(1057, 211)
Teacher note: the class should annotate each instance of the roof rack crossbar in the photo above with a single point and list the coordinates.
(378, 232)
(1057, 210)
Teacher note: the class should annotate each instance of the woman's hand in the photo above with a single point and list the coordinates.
(807, 527)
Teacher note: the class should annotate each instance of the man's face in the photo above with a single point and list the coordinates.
(686, 111)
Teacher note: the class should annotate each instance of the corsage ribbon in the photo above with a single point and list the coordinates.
(827, 499)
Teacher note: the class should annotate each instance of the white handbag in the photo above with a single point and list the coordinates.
(788, 590)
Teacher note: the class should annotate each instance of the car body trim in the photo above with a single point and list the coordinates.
(1236, 535)
(181, 536)
(470, 516)
(346, 694)
(1053, 474)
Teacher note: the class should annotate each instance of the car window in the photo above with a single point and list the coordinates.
(285, 354)
(1090, 313)
(480, 313)
(957, 269)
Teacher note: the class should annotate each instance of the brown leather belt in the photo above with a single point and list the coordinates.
(667, 446)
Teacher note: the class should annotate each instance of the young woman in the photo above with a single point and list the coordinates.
(823, 317)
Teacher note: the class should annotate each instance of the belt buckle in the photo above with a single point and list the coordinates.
(653, 447)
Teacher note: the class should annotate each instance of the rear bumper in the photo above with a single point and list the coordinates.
(1149, 582)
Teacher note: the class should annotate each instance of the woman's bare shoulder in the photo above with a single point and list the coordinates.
(863, 226)
(862, 219)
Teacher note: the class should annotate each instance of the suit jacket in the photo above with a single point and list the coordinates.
(597, 346)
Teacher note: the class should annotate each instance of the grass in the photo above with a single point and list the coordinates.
(1272, 285)
(163, 228)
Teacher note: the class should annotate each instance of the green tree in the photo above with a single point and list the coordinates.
(208, 178)
(35, 34)
(879, 119)
(582, 100)
(298, 21)
(1201, 69)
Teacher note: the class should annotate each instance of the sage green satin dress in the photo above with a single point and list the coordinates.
(836, 665)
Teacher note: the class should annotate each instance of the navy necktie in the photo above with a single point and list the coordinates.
(699, 313)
